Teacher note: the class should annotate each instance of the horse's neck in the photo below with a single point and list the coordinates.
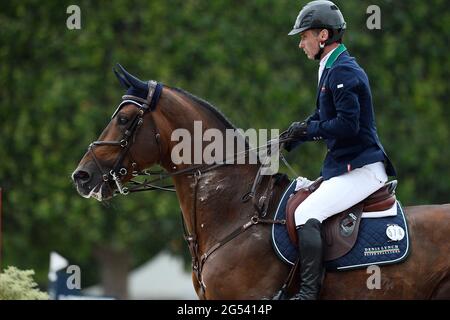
(177, 112)
(216, 197)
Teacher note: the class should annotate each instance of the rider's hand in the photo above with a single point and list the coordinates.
(298, 130)
(296, 134)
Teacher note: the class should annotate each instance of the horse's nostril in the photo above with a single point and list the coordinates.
(81, 175)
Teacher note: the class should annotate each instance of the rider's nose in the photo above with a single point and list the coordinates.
(81, 176)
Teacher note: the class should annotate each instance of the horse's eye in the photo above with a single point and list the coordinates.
(122, 120)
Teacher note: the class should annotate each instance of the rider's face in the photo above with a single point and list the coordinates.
(309, 43)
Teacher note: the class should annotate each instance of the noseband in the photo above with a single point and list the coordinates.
(144, 106)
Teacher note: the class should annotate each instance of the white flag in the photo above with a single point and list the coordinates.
(57, 262)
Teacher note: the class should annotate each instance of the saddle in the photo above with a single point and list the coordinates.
(341, 230)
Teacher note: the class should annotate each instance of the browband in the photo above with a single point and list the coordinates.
(154, 93)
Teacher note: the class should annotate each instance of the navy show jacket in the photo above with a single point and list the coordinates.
(344, 118)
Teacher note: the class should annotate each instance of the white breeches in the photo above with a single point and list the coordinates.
(340, 193)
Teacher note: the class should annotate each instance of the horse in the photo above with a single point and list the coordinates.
(232, 254)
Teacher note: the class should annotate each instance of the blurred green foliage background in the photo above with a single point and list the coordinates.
(57, 92)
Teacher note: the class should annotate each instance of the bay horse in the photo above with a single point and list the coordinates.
(231, 250)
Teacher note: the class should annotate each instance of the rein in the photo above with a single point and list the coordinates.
(148, 185)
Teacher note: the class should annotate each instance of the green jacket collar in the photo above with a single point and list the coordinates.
(336, 53)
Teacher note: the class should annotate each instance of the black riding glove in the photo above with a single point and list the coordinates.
(297, 133)
(298, 130)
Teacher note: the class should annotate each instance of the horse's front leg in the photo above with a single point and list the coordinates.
(248, 269)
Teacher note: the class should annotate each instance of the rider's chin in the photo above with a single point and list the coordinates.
(306, 54)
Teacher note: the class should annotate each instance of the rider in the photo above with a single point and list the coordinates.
(356, 164)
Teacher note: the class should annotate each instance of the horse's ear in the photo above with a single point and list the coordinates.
(132, 80)
(123, 81)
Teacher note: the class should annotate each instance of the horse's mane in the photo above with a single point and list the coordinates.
(205, 104)
(209, 107)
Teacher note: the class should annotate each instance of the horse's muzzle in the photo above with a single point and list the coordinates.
(89, 182)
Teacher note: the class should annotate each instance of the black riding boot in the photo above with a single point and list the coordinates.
(311, 260)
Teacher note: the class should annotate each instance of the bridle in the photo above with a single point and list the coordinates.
(144, 106)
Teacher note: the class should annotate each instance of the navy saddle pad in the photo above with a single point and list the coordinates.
(373, 245)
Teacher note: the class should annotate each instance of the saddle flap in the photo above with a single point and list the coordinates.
(292, 204)
(294, 201)
(341, 231)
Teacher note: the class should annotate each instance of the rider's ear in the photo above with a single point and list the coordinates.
(324, 35)
(123, 81)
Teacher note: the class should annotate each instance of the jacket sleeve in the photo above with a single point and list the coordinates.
(344, 86)
(314, 117)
